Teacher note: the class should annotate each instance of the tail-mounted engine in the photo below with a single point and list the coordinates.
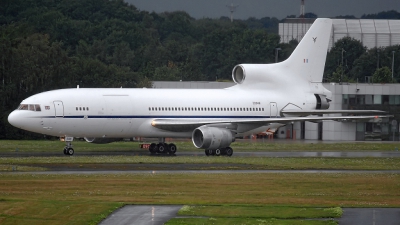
(212, 137)
(322, 102)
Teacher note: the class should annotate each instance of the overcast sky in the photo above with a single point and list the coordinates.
(263, 8)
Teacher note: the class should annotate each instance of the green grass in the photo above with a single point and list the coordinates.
(265, 212)
(187, 146)
(86, 199)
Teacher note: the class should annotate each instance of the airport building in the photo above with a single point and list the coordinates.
(365, 96)
(372, 33)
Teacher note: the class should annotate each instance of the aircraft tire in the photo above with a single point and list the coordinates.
(153, 148)
(65, 151)
(228, 151)
(162, 148)
(70, 151)
(172, 148)
(207, 152)
(218, 152)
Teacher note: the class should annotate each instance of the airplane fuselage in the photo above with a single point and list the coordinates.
(120, 112)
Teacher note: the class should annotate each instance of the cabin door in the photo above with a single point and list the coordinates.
(59, 108)
(273, 109)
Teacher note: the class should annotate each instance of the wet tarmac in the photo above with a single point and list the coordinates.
(158, 215)
(370, 216)
(142, 215)
(333, 154)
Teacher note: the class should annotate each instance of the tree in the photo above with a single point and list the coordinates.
(382, 75)
(338, 76)
(350, 48)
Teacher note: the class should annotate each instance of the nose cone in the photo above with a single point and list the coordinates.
(13, 119)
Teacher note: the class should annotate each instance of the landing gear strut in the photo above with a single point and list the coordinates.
(228, 151)
(162, 147)
(68, 150)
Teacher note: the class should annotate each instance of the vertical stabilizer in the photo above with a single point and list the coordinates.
(308, 59)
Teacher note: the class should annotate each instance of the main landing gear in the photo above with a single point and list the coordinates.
(162, 147)
(228, 151)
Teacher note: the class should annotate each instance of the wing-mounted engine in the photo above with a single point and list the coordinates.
(212, 137)
(101, 140)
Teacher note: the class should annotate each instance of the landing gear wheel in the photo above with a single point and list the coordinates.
(229, 151)
(65, 151)
(172, 148)
(217, 152)
(162, 148)
(153, 148)
(208, 152)
(70, 151)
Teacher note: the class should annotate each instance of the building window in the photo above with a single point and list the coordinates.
(377, 99)
(345, 99)
(368, 99)
(385, 99)
(360, 99)
(352, 99)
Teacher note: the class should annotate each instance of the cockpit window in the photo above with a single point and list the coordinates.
(30, 107)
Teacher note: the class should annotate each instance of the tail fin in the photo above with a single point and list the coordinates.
(308, 59)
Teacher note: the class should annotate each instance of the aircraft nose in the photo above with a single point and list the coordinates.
(13, 119)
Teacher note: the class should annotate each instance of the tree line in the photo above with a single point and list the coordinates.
(52, 44)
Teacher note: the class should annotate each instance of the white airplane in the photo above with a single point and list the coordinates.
(266, 96)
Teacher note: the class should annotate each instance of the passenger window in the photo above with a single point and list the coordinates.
(37, 108)
(76, 108)
(83, 108)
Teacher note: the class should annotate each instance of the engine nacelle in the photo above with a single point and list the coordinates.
(101, 140)
(212, 137)
(322, 102)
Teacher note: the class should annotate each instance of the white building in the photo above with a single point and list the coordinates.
(372, 33)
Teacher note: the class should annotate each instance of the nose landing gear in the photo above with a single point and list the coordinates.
(68, 149)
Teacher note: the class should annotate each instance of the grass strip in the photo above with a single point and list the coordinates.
(187, 146)
(82, 199)
(269, 212)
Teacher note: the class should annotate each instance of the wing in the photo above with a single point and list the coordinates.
(291, 113)
(191, 124)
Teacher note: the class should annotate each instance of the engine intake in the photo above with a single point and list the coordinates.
(238, 74)
(212, 137)
(322, 102)
(101, 140)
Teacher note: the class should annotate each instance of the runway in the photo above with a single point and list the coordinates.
(159, 214)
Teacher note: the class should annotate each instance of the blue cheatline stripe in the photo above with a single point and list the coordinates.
(164, 117)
